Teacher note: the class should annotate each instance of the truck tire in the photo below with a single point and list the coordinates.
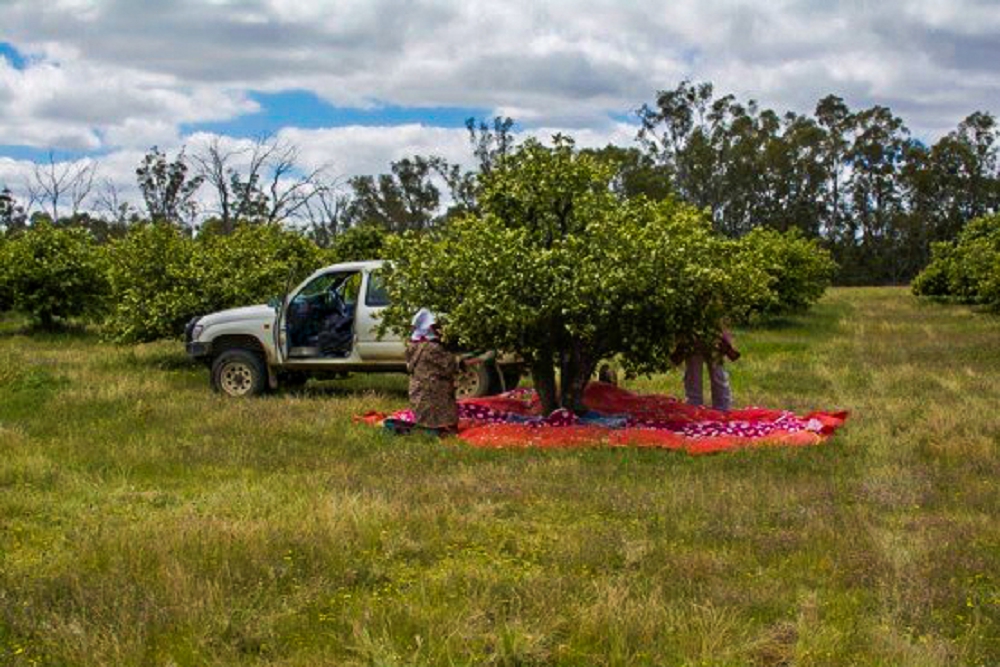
(474, 381)
(239, 373)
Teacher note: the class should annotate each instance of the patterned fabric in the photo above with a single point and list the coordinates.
(621, 418)
(432, 372)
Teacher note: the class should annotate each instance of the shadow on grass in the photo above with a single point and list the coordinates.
(931, 300)
(163, 360)
(12, 327)
(393, 385)
(774, 323)
(825, 321)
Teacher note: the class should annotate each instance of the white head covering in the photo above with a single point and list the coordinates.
(423, 322)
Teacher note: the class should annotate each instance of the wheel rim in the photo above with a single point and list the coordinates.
(236, 378)
(467, 384)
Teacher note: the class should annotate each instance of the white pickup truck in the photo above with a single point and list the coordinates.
(326, 327)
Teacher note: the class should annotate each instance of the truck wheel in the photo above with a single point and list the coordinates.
(474, 382)
(239, 373)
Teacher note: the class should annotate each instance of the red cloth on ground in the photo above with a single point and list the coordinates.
(620, 418)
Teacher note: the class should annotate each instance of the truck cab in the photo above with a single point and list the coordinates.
(325, 327)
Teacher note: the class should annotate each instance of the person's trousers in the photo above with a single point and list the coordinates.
(722, 393)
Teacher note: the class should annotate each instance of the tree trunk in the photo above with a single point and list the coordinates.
(577, 368)
(544, 376)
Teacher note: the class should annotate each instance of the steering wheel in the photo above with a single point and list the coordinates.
(335, 302)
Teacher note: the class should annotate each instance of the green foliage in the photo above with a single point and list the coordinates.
(934, 280)
(357, 244)
(564, 272)
(12, 214)
(153, 292)
(969, 268)
(798, 269)
(6, 296)
(406, 198)
(160, 278)
(857, 178)
(250, 265)
(51, 273)
(636, 173)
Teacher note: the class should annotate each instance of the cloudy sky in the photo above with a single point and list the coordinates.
(357, 83)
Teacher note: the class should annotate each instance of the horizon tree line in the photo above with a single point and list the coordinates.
(857, 180)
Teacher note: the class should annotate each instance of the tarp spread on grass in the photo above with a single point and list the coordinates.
(620, 418)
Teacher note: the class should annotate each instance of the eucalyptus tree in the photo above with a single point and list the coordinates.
(12, 215)
(168, 190)
(405, 198)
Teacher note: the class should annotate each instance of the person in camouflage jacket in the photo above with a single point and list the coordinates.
(432, 371)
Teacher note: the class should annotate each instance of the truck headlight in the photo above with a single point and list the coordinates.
(196, 331)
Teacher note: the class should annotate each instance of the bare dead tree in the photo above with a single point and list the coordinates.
(53, 184)
(260, 183)
(324, 212)
(215, 166)
(291, 189)
(111, 203)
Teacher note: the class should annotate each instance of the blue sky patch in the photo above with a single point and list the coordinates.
(304, 109)
(41, 155)
(628, 118)
(13, 56)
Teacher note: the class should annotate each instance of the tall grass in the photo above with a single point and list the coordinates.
(146, 521)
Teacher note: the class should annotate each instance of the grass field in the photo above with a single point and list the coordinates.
(146, 521)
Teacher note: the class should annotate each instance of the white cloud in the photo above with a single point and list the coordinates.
(67, 103)
(355, 150)
(342, 152)
(119, 73)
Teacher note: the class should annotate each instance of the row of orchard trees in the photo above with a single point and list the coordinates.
(554, 263)
(145, 284)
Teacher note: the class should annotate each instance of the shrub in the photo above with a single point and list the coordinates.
(967, 270)
(52, 273)
(153, 288)
(251, 265)
(358, 243)
(160, 278)
(974, 260)
(799, 270)
(935, 279)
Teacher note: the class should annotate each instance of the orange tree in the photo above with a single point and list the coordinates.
(562, 270)
(799, 270)
(52, 273)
